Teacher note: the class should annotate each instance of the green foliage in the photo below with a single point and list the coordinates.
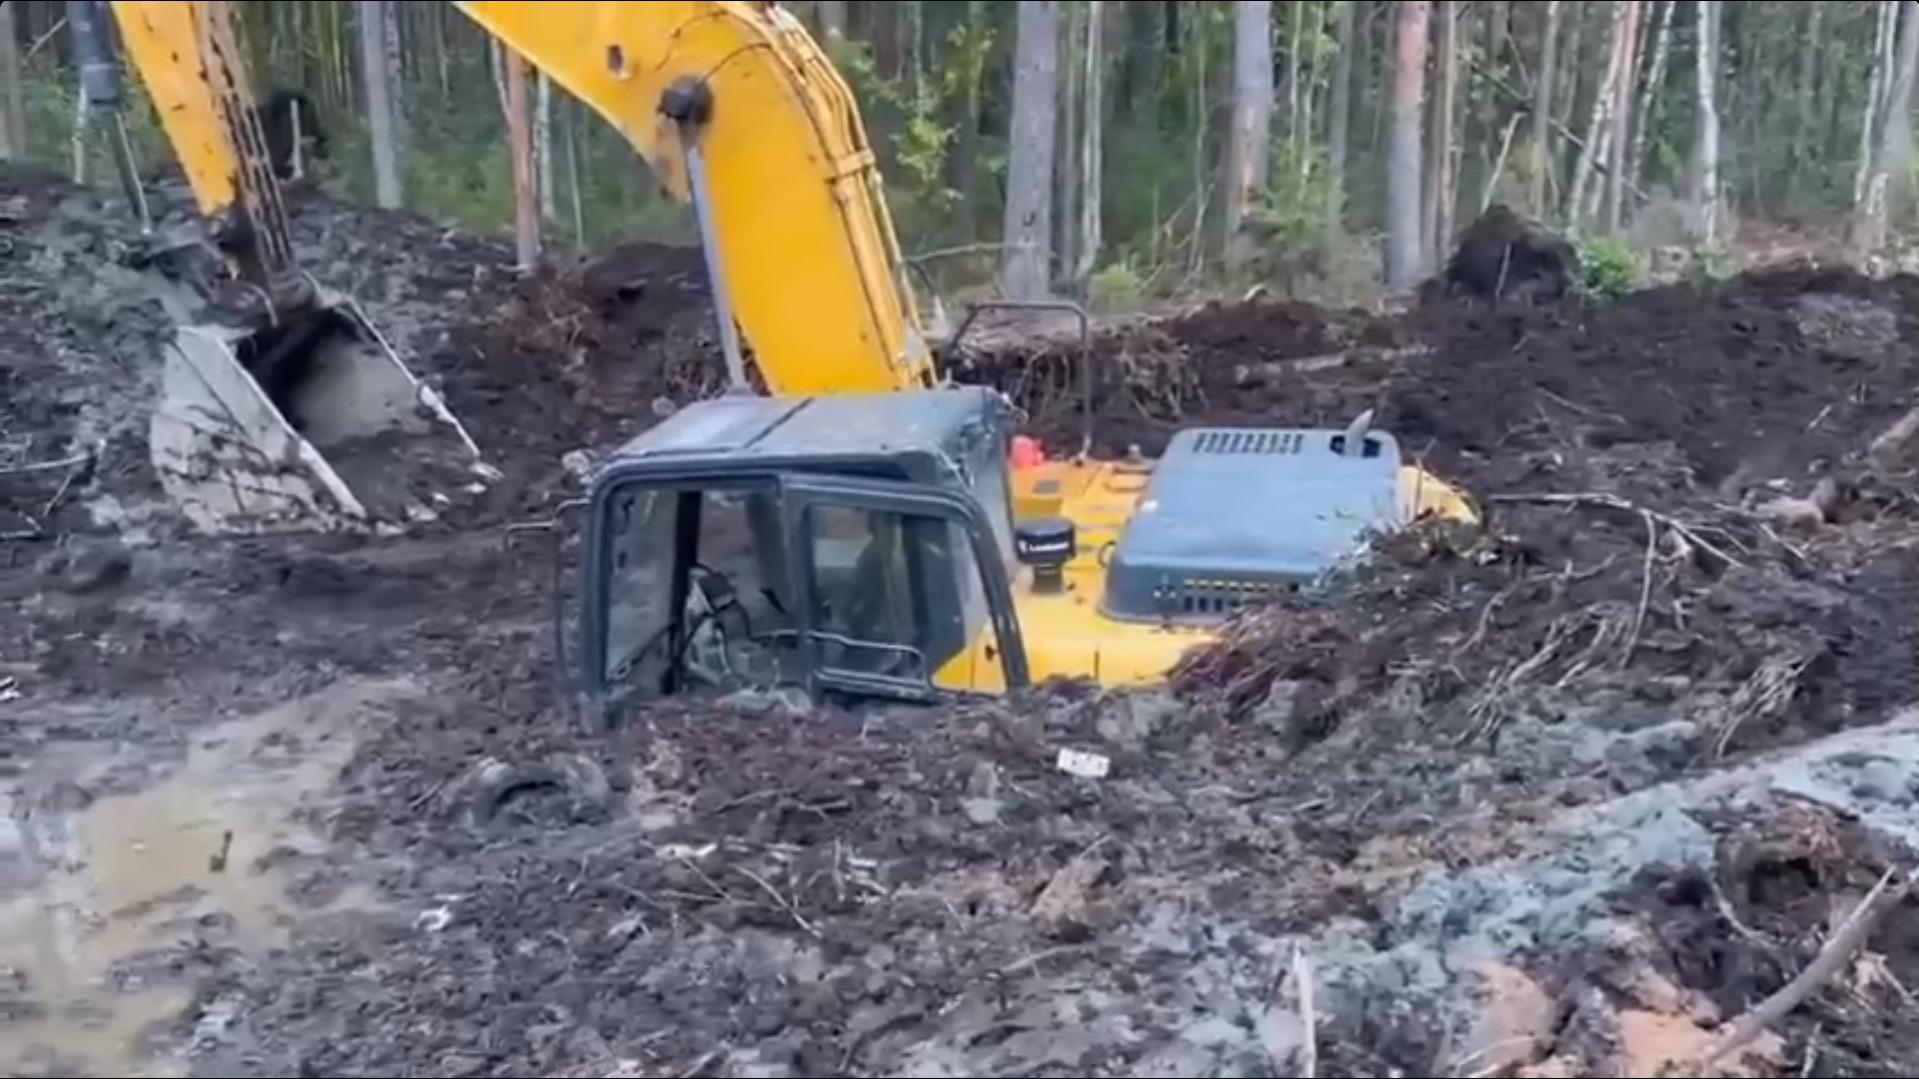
(1118, 288)
(1612, 267)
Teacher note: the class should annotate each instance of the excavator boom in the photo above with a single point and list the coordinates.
(797, 222)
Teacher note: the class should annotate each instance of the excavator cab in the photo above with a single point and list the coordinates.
(859, 544)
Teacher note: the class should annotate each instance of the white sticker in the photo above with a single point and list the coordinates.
(1085, 765)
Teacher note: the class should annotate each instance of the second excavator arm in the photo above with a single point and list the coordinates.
(735, 107)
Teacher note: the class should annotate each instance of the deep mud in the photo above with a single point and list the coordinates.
(1555, 796)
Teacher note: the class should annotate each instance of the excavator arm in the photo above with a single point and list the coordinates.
(281, 407)
(736, 108)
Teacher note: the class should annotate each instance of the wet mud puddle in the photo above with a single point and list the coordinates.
(105, 898)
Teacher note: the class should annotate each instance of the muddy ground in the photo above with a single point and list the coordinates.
(1555, 796)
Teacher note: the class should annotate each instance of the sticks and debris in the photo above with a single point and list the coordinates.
(1852, 934)
(1689, 532)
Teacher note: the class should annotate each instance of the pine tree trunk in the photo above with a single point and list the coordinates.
(1026, 267)
(1404, 249)
(13, 102)
(972, 83)
(1295, 62)
(1805, 101)
(381, 118)
(1249, 152)
(1092, 158)
(543, 146)
(442, 61)
(1648, 112)
(1342, 119)
(1545, 159)
(1705, 178)
(526, 201)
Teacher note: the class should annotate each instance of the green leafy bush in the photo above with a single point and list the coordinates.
(1612, 267)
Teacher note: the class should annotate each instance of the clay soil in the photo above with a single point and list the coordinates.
(1558, 794)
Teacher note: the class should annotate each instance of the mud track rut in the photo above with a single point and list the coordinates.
(1556, 797)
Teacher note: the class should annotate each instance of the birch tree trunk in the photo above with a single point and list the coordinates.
(1092, 157)
(1066, 156)
(1705, 177)
(832, 16)
(1442, 197)
(1597, 128)
(1898, 129)
(519, 128)
(1026, 266)
(1403, 251)
(382, 122)
(1342, 119)
(543, 146)
(1622, 116)
(396, 75)
(1648, 111)
(1892, 156)
(1882, 49)
(13, 102)
(1544, 158)
(1249, 151)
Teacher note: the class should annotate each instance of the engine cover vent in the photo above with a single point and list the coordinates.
(1219, 441)
(1236, 517)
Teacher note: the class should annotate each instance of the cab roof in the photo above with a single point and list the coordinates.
(915, 428)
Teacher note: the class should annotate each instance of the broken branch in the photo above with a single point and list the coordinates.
(1614, 502)
(1851, 935)
(47, 466)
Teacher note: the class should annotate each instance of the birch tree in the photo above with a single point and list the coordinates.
(1647, 114)
(832, 16)
(526, 203)
(1441, 197)
(13, 110)
(1705, 147)
(382, 122)
(1026, 266)
(1543, 156)
(1892, 156)
(543, 146)
(1249, 150)
(1622, 115)
(1092, 158)
(1404, 247)
(1592, 155)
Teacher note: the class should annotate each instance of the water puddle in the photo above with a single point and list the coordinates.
(103, 900)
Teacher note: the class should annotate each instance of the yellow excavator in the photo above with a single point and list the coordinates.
(868, 528)
(281, 406)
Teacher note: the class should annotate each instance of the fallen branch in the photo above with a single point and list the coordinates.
(1308, 1017)
(1895, 438)
(1851, 935)
(1607, 501)
(47, 466)
(1279, 370)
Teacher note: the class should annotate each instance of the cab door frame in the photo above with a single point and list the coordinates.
(801, 493)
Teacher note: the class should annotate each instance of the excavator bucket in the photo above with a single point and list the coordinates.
(309, 424)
